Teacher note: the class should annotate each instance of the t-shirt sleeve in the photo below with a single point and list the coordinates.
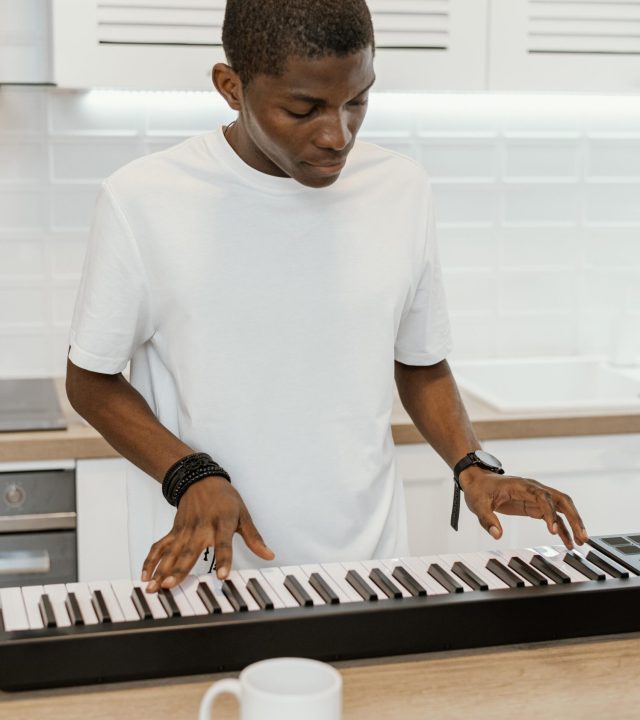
(112, 313)
(424, 334)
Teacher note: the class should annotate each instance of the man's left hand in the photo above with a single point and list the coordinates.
(486, 493)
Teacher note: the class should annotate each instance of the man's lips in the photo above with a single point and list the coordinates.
(328, 166)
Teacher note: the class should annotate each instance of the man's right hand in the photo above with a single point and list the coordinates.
(209, 513)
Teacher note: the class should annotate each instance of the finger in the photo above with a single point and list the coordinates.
(224, 549)
(489, 521)
(564, 534)
(183, 562)
(153, 558)
(548, 509)
(253, 539)
(566, 506)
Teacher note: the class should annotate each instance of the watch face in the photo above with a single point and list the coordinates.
(488, 458)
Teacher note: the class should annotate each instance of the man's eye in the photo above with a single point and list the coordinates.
(300, 115)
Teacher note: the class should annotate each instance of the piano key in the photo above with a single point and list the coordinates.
(362, 570)
(276, 579)
(189, 587)
(181, 600)
(73, 609)
(477, 562)
(389, 588)
(31, 597)
(100, 606)
(168, 602)
(140, 604)
(155, 606)
(123, 589)
(419, 569)
(113, 606)
(14, 612)
(83, 596)
(298, 593)
(215, 586)
(208, 599)
(234, 597)
(607, 565)
(270, 592)
(304, 580)
(336, 573)
(552, 571)
(387, 569)
(361, 586)
(439, 574)
(522, 568)
(241, 587)
(467, 576)
(554, 555)
(407, 582)
(46, 611)
(328, 579)
(58, 594)
(584, 567)
(259, 594)
(322, 587)
(502, 571)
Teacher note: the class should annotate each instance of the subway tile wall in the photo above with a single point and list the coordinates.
(537, 205)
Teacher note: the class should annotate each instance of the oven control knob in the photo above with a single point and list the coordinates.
(14, 495)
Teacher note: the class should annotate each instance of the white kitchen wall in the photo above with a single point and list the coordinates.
(537, 202)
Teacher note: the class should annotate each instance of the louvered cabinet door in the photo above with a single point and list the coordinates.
(565, 45)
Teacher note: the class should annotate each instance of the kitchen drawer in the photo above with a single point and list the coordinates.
(37, 491)
(38, 558)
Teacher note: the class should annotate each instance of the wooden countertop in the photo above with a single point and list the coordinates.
(80, 440)
(570, 680)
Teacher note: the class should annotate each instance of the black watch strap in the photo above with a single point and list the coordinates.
(468, 460)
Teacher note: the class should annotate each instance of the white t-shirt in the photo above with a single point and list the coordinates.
(262, 319)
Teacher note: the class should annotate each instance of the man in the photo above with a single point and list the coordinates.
(267, 280)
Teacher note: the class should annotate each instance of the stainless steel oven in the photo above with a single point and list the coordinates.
(38, 526)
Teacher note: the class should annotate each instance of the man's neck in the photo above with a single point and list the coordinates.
(237, 136)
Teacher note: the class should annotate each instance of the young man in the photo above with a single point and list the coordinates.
(267, 280)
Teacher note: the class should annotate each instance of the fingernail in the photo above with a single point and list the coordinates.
(145, 576)
(152, 586)
(554, 528)
(222, 572)
(169, 582)
(494, 532)
(585, 535)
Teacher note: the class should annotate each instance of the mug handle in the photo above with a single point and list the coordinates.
(222, 686)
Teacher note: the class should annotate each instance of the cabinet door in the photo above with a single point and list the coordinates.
(24, 42)
(422, 44)
(572, 45)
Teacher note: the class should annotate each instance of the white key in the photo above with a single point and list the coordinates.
(275, 579)
(237, 580)
(189, 587)
(58, 594)
(109, 598)
(553, 555)
(526, 554)
(429, 560)
(154, 604)
(364, 574)
(31, 597)
(182, 602)
(122, 590)
(337, 573)
(216, 588)
(337, 587)
(370, 565)
(418, 568)
(275, 598)
(303, 579)
(504, 556)
(83, 596)
(389, 566)
(14, 613)
(478, 563)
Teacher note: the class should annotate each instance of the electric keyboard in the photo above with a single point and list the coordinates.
(79, 633)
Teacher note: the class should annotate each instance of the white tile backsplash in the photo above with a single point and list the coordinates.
(537, 204)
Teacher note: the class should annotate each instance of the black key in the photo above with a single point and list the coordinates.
(527, 572)
(467, 575)
(73, 608)
(259, 594)
(383, 582)
(361, 586)
(408, 582)
(635, 538)
(449, 583)
(581, 566)
(46, 611)
(233, 596)
(100, 606)
(613, 541)
(320, 585)
(503, 573)
(552, 571)
(607, 566)
(300, 595)
(628, 549)
(140, 603)
(205, 594)
(168, 602)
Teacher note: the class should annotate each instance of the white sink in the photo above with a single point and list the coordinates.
(550, 384)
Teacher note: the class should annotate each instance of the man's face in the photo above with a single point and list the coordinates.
(305, 122)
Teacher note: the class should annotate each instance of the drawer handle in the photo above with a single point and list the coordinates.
(23, 562)
(40, 521)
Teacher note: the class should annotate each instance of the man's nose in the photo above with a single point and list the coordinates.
(334, 133)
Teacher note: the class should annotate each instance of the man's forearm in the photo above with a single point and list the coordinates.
(125, 420)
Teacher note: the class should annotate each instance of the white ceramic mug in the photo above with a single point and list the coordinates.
(282, 689)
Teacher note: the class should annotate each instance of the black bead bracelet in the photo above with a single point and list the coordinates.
(188, 470)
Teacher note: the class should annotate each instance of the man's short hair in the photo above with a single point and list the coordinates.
(259, 36)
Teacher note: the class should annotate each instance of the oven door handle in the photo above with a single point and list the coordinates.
(24, 562)
(37, 522)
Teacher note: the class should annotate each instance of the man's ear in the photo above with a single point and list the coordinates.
(227, 82)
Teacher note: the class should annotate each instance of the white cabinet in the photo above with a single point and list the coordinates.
(600, 473)
(143, 44)
(25, 47)
(568, 45)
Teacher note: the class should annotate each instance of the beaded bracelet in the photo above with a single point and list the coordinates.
(188, 470)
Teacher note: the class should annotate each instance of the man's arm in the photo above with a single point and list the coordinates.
(209, 512)
(430, 395)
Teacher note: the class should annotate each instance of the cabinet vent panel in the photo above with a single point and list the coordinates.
(610, 27)
(398, 23)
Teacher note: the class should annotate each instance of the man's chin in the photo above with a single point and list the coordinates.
(317, 182)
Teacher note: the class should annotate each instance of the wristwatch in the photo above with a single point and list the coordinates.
(477, 457)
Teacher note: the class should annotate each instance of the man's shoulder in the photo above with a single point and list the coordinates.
(386, 162)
